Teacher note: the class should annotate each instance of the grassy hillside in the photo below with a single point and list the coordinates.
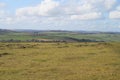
(59, 61)
(67, 36)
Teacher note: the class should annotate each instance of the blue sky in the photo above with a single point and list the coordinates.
(89, 15)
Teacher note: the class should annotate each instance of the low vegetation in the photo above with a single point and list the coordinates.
(60, 61)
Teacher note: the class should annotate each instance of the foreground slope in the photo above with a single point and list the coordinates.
(59, 61)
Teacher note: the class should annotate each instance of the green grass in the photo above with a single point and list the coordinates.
(59, 61)
(61, 36)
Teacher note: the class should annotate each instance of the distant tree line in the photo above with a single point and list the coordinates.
(32, 40)
(82, 40)
(67, 40)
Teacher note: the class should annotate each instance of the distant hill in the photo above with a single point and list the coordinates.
(65, 31)
(5, 31)
(30, 30)
(58, 35)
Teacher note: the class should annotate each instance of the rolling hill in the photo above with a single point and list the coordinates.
(58, 35)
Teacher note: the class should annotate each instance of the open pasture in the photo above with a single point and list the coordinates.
(60, 61)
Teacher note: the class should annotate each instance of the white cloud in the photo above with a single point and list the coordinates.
(109, 3)
(114, 14)
(2, 5)
(42, 9)
(83, 9)
(119, 26)
(54, 11)
(87, 16)
(2, 13)
(118, 8)
(77, 9)
(72, 7)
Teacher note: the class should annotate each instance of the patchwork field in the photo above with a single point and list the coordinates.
(66, 36)
(60, 61)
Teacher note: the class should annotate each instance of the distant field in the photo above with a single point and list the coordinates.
(67, 36)
(60, 61)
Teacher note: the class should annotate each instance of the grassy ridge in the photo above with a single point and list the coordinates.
(59, 61)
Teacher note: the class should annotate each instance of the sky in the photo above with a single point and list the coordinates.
(87, 15)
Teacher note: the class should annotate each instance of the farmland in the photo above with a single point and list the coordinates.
(60, 61)
(69, 36)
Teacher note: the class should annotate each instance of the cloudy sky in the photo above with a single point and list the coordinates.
(89, 15)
